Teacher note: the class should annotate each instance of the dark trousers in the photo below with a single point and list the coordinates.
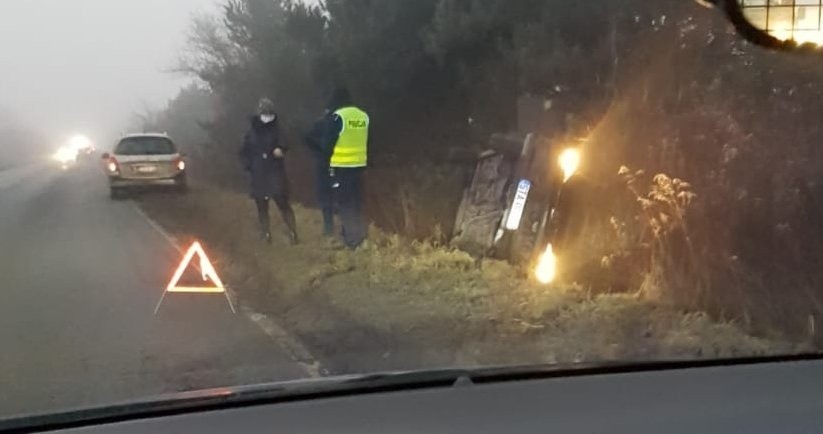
(325, 197)
(286, 212)
(349, 194)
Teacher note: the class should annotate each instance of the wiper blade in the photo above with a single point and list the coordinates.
(233, 397)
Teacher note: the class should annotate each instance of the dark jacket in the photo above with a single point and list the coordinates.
(267, 173)
(321, 139)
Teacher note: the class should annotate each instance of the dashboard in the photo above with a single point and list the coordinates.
(785, 398)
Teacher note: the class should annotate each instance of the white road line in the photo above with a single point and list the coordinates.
(293, 347)
(171, 239)
(296, 350)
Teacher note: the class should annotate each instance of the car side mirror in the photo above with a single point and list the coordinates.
(105, 156)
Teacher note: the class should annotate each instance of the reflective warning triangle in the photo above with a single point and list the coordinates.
(206, 270)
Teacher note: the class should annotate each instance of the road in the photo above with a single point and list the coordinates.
(80, 276)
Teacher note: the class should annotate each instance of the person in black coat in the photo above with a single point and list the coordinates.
(316, 142)
(263, 156)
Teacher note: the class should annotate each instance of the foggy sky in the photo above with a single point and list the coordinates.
(85, 66)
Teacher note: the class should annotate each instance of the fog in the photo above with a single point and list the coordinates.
(86, 66)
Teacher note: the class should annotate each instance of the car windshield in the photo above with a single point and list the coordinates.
(364, 186)
(145, 146)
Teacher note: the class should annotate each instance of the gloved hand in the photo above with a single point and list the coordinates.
(278, 153)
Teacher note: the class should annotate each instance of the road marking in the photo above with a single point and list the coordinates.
(296, 350)
(170, 238)
(291, 345)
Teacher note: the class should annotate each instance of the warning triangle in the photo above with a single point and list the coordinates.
(206, 269)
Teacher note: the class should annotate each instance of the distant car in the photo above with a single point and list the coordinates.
(81, 146)
(145, 160)
(85, 153)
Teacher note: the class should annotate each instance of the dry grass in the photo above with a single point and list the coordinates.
(395, 304)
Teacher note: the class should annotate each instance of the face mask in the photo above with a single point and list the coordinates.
(267, 118)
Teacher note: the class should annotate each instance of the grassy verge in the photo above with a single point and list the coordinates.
(400, 305)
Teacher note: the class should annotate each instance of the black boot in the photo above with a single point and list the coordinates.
(263, 219)
(291, 224)
(265, 232)
(289, 219)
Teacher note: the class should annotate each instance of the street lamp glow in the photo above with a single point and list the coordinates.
(546, 270)
(570, 163)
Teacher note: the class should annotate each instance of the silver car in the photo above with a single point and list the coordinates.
(145, 160)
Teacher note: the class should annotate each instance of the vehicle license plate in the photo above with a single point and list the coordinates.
(146, 169)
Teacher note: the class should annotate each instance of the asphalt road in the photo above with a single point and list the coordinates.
(80, 276)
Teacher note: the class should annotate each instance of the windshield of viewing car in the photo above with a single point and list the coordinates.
(370, 186)
(145, 146)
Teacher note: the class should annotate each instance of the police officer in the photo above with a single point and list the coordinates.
(347, 138)
(263, 155)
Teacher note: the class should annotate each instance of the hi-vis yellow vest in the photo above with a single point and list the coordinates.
(352, 147)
